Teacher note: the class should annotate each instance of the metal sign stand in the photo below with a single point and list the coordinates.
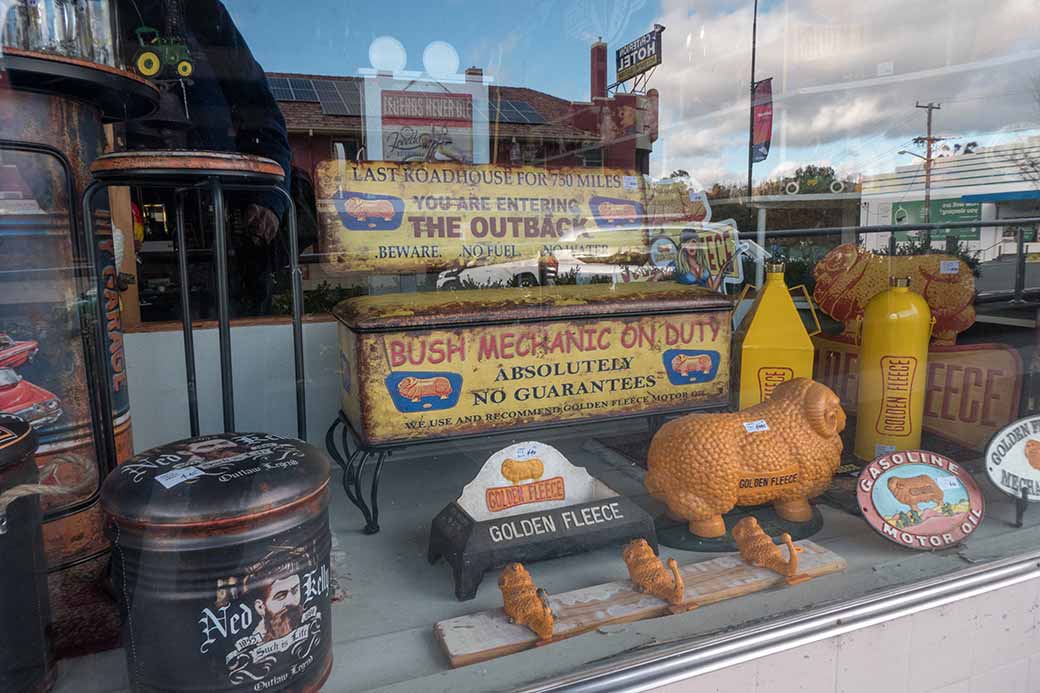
(1021, 504)
(195, 171)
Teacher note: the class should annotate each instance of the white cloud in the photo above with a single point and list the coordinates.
(814, 49)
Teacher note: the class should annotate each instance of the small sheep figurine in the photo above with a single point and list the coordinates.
(524, 603)
(649, 575)
(782, 451)
(526, 470)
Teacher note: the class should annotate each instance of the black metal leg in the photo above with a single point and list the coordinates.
(373, 525)
(353, 463)
(296, 274)
(189, 340)
(1020, 507)
(297, 319)
(227, 388)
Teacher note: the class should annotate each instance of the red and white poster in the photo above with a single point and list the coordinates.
(762, 117)
(427, 126)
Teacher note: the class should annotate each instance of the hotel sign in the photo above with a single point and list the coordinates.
(639, 56)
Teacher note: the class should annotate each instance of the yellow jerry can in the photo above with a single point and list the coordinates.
(893, 362)
(772, 345)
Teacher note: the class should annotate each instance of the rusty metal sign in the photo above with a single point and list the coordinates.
(919, 499)
(423, 216)
(410, 384)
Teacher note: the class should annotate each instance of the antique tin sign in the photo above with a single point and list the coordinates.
(971, 391)
(1013, 459)
(426, 216)
(529, 503)
(468, 377)
(919, 499)
(221, 554)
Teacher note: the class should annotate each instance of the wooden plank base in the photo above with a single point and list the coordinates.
(489, 634)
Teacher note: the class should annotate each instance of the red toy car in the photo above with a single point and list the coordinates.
(14, 354)
(30, 402)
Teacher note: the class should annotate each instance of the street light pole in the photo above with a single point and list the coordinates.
(751, 106)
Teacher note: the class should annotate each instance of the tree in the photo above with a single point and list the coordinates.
(679, 173)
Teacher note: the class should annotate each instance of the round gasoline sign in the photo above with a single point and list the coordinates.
(919, 499)
(1013, 459)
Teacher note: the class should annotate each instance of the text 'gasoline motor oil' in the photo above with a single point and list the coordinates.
(893, 362)
(772, 345)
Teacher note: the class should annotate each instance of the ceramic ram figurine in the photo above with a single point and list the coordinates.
(783, 451)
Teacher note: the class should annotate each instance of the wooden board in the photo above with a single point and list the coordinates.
(488, 634)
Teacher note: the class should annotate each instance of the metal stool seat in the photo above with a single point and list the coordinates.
(185, 171)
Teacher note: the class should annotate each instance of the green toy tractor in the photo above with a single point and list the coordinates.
(159, 52)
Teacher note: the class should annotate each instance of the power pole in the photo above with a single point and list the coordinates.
(926, 235)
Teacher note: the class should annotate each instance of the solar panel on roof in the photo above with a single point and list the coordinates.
(350, 93)
(280, 89)
(303, 90)
(329, 98)
(509, 114)
(509, 111)
(529, 112)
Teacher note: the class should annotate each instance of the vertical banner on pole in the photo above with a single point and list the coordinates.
(762, 118)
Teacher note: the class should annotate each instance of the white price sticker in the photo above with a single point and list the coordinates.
(949, 483)
(526, 452)
(177, 476)
(950, 267)
(629, 183)
(756, 426)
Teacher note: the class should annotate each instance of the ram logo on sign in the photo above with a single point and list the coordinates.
(637, 57)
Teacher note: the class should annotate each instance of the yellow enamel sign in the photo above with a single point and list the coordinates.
(971, 391)
(379, 216)
(407, 385)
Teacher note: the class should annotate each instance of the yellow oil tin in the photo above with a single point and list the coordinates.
(893, 363)
(771, 345)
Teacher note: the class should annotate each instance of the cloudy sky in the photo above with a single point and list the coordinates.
(846, 75)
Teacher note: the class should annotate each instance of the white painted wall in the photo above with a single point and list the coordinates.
(262, 365)
(986, 643)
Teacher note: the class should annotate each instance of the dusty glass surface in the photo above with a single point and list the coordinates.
(524, 236)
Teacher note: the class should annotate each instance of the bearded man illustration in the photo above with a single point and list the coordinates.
(275, 587)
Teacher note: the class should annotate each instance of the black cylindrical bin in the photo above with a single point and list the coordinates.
(24, 610)
(221, 559)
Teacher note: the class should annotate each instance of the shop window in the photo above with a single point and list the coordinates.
(513, 346)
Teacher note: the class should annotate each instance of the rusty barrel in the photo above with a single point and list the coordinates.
(46, 300)
(25, 660)
(221, 561)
